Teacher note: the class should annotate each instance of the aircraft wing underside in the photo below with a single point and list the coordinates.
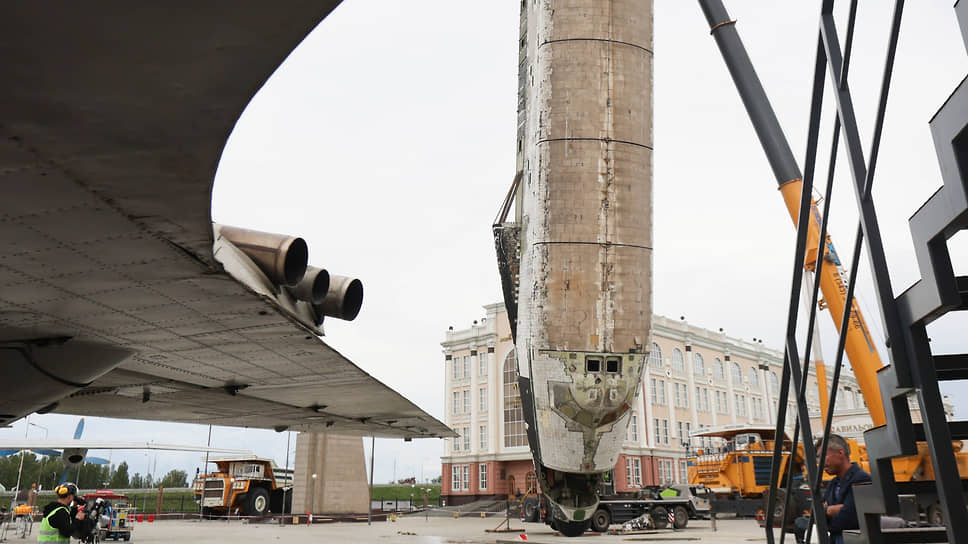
(113, 116)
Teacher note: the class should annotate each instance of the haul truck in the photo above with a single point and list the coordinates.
(251, 486)
(859, 345)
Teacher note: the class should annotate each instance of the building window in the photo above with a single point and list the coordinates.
(466, 477)
(754, 378)
(456, 402)
(658, 430)
(665, 471)
(482, 475)
(658, 391)
(719, 372)
(678, 363)
(467, 401)
(637, 472)
(682, 395)
(456, 368)
(737, 375)
(774, 383)
(665, 431)
(455, 478)
(482, 404)
(702, 399)
(740, 401)
(683, 473)
(514, 432)
(629, 481)
(467, 439)
(722, 402)
(483, 438)
(698, 365)
(632, 434)
(456, 443)
(655, 356)
(482, 366)
(467, 366)
(684, 428)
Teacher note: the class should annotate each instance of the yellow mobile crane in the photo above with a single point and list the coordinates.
(859, 345)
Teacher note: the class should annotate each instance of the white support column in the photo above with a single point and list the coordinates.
(767, 385)
(493, 402)
(647, 397)
(690, 378)
(731, 388)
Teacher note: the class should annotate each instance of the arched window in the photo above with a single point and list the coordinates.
(655, 356)
(678, 363)
(698, 365)
(737, 374)
(719, 371)
(754, 378)
(774, 383)
(514, 431)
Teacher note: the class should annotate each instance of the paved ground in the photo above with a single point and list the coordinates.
(424, 531)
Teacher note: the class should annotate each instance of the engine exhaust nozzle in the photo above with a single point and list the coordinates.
(344, 298)
(281, 258)
(313, 287)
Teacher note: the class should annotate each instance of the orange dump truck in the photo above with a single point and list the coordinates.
(250, 486)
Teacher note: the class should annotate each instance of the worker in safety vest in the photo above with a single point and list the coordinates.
(58, 524)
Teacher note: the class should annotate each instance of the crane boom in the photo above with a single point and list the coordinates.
(859, 345)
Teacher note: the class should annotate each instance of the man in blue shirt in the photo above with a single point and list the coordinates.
(839, 496)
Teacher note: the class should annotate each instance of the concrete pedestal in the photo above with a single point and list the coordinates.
(340, 486)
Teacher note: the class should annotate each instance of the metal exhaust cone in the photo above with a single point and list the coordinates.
(313, 287)
(344, 299)
(281, 258)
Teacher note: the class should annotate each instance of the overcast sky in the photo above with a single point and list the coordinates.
(387, 139)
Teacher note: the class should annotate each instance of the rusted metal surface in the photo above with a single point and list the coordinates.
(585, 212)
(586, 203)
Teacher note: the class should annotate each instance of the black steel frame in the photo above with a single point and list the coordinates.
(913, 368)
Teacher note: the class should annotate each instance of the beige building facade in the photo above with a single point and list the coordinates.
(695, 378)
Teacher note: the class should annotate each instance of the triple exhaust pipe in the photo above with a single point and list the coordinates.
(284, 261)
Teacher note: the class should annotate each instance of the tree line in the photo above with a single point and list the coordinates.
(47, 472)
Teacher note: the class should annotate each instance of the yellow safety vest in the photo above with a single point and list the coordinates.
(49, 533)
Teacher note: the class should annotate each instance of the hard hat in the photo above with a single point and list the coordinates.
(66, 489)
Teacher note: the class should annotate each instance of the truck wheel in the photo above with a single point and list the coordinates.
(571, 528)
(530, 509)
(601, 519)
(681, 517)
(660, 517)
(257, 503)
(781, 518)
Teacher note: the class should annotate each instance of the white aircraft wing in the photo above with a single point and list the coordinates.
(113, 117)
